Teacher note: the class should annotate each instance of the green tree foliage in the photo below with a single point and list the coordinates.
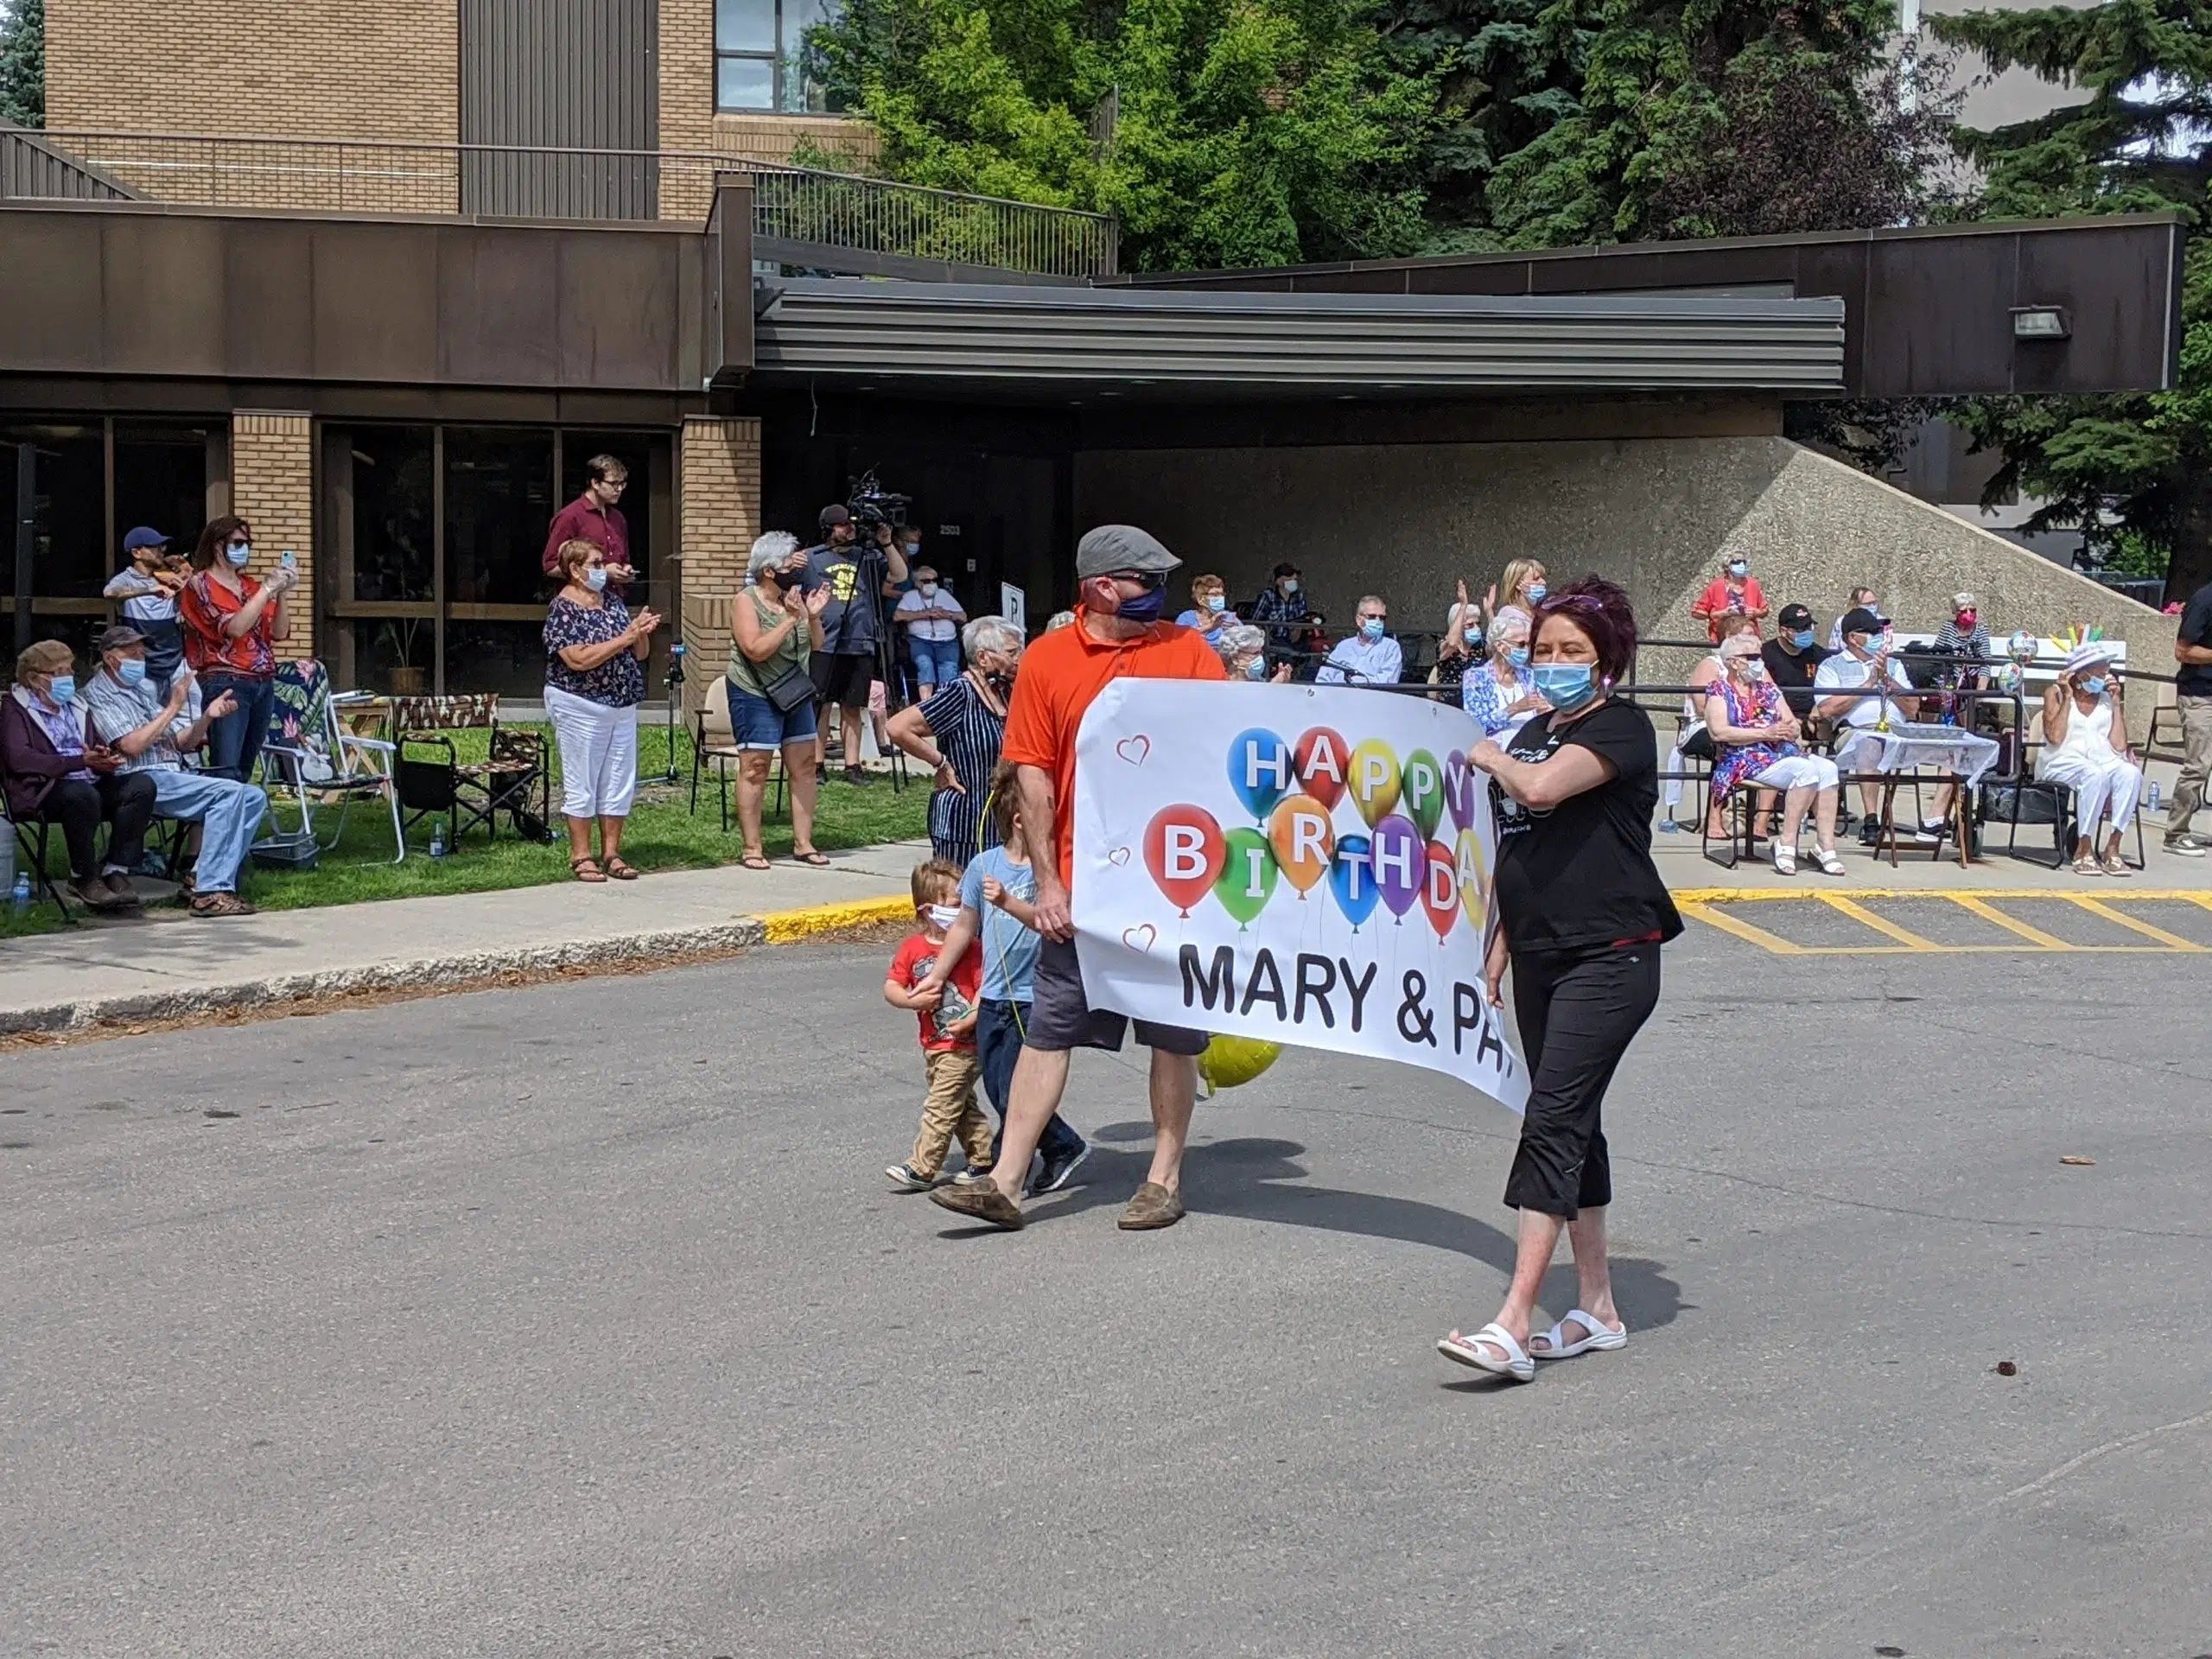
(1243, 132)
(22, 62)
(2138, 142)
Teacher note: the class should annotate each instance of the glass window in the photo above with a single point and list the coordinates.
(499, 503)
(161, 479)
(760, 54)
(395, 547)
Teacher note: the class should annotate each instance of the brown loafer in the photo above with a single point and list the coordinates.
(1153, 1207)
(126, 896)
(980, 1200)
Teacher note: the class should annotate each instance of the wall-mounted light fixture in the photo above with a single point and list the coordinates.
(2041, 322)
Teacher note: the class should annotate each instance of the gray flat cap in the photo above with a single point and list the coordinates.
(1121, 547)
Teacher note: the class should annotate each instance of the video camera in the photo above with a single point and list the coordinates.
(871, 504)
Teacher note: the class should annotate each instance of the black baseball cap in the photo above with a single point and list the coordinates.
(1286, 568)
(834, 515)
(1863, 620)
(1796, 616)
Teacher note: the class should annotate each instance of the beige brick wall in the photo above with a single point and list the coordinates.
(272, 488)
(718, 516)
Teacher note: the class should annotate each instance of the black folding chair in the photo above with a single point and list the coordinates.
(31, 841)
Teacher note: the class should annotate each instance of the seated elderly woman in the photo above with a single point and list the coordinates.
(2086, 748)
(1499, 692)
(1244, 651)
(1755, 742)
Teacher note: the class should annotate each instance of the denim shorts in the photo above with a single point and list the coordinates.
(759, 725)
(1061, 1016)
(937, 661)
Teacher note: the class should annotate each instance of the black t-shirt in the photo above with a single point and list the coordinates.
(1794, 674)
(2195, 679)
(1581, 874)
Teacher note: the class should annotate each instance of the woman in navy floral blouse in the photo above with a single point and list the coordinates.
(594, 684)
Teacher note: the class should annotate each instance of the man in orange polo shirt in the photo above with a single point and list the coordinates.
(1122, 575)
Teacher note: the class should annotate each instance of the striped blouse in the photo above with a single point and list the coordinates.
(968, 735)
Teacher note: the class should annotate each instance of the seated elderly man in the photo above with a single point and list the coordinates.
(153, 734)
(53, 775)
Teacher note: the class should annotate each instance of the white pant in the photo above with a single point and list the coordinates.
(599, 754)
(2112, 783)
(1799, 771)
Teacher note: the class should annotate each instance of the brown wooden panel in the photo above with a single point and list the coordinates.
(2119, 341)
(1649, 268)
(376, 301)
(499, 307)
(618, 305)
(1482, 276)
(1388, 280)
(268, 298)
(50, 311)
(1827, 271)
(1938, 321)
(161, 294)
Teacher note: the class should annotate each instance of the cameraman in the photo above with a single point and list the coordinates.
(858, 577)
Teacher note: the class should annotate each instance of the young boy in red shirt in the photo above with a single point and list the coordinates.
(948, 1014)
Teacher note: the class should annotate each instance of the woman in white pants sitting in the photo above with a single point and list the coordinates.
(594, 684)
(1755, 742)
(2086, 748)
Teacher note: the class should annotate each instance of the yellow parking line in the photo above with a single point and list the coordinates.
(1758, 936)
(1881, 924)
(2098, 907)
(1989, 913)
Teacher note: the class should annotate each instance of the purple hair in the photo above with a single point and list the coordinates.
(1601, 611)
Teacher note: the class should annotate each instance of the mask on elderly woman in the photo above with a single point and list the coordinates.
(1257, 668)
(2095, 684)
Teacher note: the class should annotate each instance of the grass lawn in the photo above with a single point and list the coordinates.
(662, 836)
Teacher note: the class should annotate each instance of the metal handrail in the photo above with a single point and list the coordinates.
(847, 210)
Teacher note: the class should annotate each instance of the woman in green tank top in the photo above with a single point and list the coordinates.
(775, 629)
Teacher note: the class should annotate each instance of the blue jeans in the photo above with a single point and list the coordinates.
(228, 813)
(234, 742)
(998, 1045)
(937, 661)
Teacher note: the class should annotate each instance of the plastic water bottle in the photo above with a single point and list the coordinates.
(19, 896)
(2154, 797)
(438, 839)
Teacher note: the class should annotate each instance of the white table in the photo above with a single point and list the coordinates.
(1908, 745)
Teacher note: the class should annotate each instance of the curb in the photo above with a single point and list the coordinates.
(2116, 894)
(778, 927)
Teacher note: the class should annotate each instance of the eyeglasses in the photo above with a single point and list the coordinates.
(1150, 581)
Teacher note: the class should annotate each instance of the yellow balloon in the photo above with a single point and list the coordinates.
(1303, 841)
(1373, 782)
(1468, 853)
(1229, 1061)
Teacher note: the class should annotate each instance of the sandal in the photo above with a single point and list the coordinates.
(2115, 865)
(1829, 864)
(756, 862)
(222, 903)
(1785, 860)
(586, 869)
(2086, 865)
(811, 857)
(1596, 1336)
(1467, 1351)
(619, 867)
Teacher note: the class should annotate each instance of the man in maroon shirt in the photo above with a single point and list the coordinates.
(593, 517)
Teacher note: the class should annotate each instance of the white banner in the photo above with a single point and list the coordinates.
(1308, 864)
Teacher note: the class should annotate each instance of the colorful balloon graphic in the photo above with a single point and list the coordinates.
(1303, 841)
(1461, 779)
(1351, 878)
(1373, 780)
(1248, 875)
(1183, 851)
(1474, 876)
(1424, 791)
(1439, 891)
(1259, 769)
(1229, 1061)
(1401, 864)
(1320, 757)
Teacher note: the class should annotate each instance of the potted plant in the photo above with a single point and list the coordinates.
(396, 639)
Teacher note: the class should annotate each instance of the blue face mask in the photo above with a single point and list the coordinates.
(1473, 635)
(1257, 668)
(63, 688)
(1216, 602)
(1371, 627)
(1146, 607)
(238, 553)
(131, 671)
(1566, 686)
(1803, 639)
(595, 577)
(1536, 590)
(2095, 684)
(1518, 656)
(1738, 570)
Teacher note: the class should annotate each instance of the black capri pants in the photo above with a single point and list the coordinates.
(1577, 1011)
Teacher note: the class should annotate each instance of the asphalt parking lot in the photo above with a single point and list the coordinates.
(577, 1321)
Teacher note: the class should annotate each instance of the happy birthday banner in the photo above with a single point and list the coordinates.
(1309, 864)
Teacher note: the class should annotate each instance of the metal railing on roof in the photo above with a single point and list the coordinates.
(882, 217)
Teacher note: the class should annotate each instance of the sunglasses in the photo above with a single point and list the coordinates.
(1150, 581)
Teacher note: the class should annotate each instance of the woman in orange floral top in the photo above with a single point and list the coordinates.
(232, 623)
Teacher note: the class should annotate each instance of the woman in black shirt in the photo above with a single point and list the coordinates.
(1581, 914)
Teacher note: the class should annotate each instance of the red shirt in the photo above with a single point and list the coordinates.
(1060, 674)
(912, 966)
(1717, 601)
(203, 605)
(582, 521)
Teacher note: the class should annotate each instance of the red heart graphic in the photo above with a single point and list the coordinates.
(1118, 857)
(1140, 938)
(1134, 749)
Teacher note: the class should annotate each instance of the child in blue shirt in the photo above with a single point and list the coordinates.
(998, 893)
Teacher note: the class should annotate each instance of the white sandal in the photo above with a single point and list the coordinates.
(1829, 864)
(1516, 1364)
(1785, 860)
(1599, 1336)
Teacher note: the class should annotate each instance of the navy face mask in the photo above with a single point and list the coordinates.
(1145, 607)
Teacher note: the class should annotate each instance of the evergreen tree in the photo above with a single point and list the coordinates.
(23, 63)
(2138, 141)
